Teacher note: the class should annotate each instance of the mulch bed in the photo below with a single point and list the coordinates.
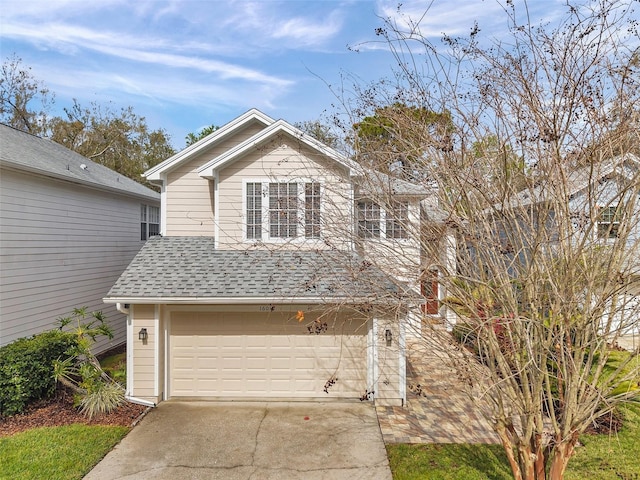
(59, 410)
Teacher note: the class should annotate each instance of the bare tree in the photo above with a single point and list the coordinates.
(548, 267)
(24, 100)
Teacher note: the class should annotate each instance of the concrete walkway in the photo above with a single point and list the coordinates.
(437, 410)
(261, 440)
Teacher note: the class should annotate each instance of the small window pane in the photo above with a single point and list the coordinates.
(397, 219)
(368, 220)
(254, 210)
(312, 210)
(283, 210)
(609, 222)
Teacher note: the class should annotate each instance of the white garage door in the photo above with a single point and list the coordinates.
(257, 355)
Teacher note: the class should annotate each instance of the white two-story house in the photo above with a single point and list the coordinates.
(275, 274)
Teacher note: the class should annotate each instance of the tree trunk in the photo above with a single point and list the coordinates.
(527, 465)
(508, 448)
(561, 455)
(540, 458)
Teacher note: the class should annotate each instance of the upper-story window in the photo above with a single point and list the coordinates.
(149, 221)
(312, 210)
(608, 222)
(397, 219)
(368, 219)
(282, 210)
(374, 222)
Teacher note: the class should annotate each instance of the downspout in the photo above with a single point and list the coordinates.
(402, 358)
(139, 401)
(124, 308)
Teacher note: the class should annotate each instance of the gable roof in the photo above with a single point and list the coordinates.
(251, 117)
(378, 184)
(28, 153)
(190, 270)
(577, 180)
(260, 138)
(580, 179)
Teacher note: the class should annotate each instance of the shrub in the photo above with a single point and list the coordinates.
(464, 334)
(95, 391)
(26, 369)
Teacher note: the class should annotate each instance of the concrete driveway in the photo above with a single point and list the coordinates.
(251, 440)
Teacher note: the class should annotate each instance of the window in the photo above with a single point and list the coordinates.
(254, 210)
(397, 220)
(149, 221)
(368, 219)
(283, 210)
(290, 210)
(609, 222)
(372, 219)
(312, 210)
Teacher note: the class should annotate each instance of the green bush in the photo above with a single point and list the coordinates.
(465, 334)
(26, 369)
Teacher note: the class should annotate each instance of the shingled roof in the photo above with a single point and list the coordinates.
(26, 152)
(190, 270)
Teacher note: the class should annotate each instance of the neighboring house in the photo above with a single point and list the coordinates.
(601, 193)
(269, 280)
(68, 228)
(599, 201)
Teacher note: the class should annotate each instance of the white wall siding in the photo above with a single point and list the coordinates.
(189, 207)
(62, 246)
(284, 160)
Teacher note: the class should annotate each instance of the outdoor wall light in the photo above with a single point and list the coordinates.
(143, 335)
(388, 336)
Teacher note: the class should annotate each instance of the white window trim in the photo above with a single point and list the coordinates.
(599, 222)
(300, 227)
(383, 223)
(147, 220)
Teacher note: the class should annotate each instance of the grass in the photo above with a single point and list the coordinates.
(612, 457)
(602, 457)
(116, 367)
(56, 453)
(448, 462)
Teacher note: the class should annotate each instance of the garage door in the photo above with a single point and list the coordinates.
(253, 355)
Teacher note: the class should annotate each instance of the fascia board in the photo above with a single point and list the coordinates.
(18, 167)
(234, 300)
(208, 170)
(154, 173)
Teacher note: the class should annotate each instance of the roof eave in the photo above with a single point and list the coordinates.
(155, 173)
(209, 169)
(97, 186)
(235, 300)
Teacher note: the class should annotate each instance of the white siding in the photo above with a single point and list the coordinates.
(62, 246)
(283, 160)
(189, 204)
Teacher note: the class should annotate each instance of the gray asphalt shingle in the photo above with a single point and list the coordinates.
(23, 151)
(190, 267)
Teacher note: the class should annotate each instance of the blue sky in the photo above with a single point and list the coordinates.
(187, 64)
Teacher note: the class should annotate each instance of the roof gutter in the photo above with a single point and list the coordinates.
(233, 300)
(80, 181)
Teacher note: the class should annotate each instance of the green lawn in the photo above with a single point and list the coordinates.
(448, 462)
(615, 457)
(56, 453)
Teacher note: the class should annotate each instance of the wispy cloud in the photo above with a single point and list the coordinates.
(434, 18)
(148, 49)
